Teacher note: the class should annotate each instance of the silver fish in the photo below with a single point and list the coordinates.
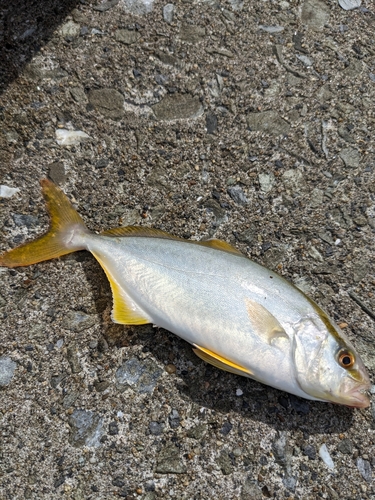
(238, 315)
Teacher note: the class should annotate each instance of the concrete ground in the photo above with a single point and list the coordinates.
(251, 121)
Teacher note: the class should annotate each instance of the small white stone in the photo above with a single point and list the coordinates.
(7, 192)
(66, 137)
(138, 7)
(168, 12)
(60, 343)
(239, 392)
(305, 60)
(120, 414)
(70, 29)
(326, 457)
(350, 4)
(338, 241)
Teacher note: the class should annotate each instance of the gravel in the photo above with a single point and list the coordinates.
(251, 122)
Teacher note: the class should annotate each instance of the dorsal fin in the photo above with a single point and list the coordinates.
(149, 232)
(139, 231)
(220, 362)
(125, 311)
(220, 245)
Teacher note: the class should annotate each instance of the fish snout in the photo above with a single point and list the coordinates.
(356, 392)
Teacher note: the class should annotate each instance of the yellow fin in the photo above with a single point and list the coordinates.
(158, 233)
(220, 245)
(220, 362)
(264, 323)
(125, 310)
(148, 232)
(65, 221)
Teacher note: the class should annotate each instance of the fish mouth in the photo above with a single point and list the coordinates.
(359, 397)
(354, 393)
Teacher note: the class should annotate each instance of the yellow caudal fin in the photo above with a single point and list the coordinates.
(220, 362)
(62, 237)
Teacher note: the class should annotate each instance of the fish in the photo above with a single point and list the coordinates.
(238, 315)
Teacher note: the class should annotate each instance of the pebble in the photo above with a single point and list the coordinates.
(174, 419)
(345, 446)
(69, 399)
(268, 121)
(248, 236)
(7, 369)
(192, 34)
(351, 157)
(250, 490)
(239, 392)
(266, 182)
(168, 13)
(170, 369)
(289, 482)
(138, 7)
(211, 123)
(271, 29)
(198, 432)
(103, 7)
(156, 428)
(293, 179)
(109, 102)
(281, 450)
(141, 376)
(73, 360)
(316, 197)
(113, 428)
(225, 463)
(169, 461)
(315, 14)
(79, 95)
(66, 137)
(70, 29)
(227, 427)
(77, 321)
(7, 191)
(178, 107)
(364, 468)
(237, 195)
(326, 457)
(305, 60)
(59, 343)
(56, 172)
(25, 220)
(86, 428)
(350, 4)
(310, 451)
(127, 37)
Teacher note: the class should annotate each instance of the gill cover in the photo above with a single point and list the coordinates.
(309, 342)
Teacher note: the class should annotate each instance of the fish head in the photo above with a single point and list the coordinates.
(328, 368)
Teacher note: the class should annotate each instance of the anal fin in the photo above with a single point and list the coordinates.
(220, 362)
(125, 311)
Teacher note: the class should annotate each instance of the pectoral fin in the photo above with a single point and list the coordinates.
(125, 310)
(264, 323)
(220, 362)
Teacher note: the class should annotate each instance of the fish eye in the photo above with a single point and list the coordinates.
(346, 359)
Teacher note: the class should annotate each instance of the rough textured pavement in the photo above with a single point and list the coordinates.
(251, 121)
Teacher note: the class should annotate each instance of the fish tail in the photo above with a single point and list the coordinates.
(64, 236)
